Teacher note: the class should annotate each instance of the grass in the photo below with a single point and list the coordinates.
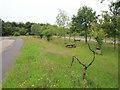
(43, 64)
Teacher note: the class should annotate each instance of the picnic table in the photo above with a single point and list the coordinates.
(77, 39)
(71, 45)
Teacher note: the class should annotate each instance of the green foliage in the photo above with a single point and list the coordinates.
(34, 29)
(44, 30)
(81, 22)
(98, 33)
(6, 28)
(62, 31)
(115, 13)
(9, 28)
(22, 31)
(37, 29)
(48, 34)
(27, 34)
(28, 27)
(16, 34)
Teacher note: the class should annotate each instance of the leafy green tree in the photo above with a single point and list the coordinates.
(81, 22)
(115, 13)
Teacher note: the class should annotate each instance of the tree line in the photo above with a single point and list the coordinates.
(12, 28)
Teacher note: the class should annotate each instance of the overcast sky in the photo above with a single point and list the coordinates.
(44, 11)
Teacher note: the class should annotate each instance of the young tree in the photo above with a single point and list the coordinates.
(98, 33)
(81, 22)
(85, 66)
(111, 21)
(62, 20)
(115, 15)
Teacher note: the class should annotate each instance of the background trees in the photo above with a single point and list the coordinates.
(41, 30)
(37, 29)
(9, 28)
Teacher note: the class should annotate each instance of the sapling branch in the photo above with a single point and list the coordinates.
(73, 58)
(84, 65)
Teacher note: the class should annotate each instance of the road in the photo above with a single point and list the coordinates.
(9, 56)
(5, 43)
(107, 41)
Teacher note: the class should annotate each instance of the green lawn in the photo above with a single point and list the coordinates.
(43, 64)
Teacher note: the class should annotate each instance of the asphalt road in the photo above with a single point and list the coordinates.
(107, 41)
(9, 56)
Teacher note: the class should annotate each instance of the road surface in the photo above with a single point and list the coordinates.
(9, 56)
(107, 41)
(5, 43)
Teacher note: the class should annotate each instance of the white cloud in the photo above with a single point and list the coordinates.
(44, 11)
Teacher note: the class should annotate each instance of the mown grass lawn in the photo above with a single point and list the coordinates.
(43, 64)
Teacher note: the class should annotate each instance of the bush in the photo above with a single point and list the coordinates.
(48, 34)
(16, 34)
(27, 34)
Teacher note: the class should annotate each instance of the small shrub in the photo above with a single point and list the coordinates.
(41, 35)
(27, 34)
(48, 34)
(16, 34)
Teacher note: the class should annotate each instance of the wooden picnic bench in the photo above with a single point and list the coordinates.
(77, 39)
(71, 45)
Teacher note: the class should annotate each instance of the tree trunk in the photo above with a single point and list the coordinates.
(74, 38)
(64, 39)
(86, 37)
(57, 35)
(105, 39)
(69, 37)
(114, 42)
(84, 72)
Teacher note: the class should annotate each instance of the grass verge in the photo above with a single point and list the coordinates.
(43, 64)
